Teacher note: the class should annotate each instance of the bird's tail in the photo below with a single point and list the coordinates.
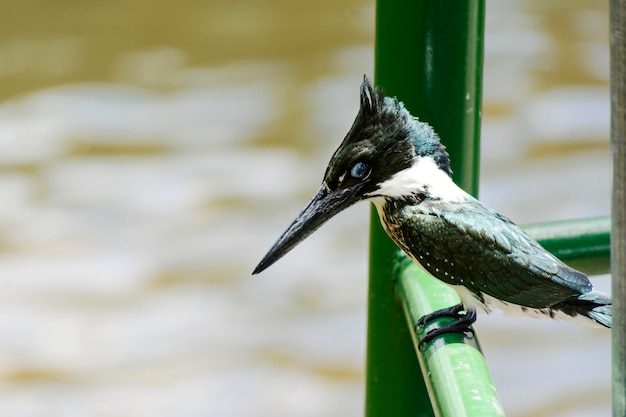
(593, 304)
(602, 315)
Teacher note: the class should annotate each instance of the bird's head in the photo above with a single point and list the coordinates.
(384, 155)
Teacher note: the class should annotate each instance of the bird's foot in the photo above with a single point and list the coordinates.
(453, 311)
(463, 321)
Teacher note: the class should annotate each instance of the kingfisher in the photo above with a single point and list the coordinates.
(399, 164)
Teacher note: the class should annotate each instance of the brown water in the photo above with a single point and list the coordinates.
(151, 152)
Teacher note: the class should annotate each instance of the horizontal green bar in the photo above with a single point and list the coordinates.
(453, 367)
(584, 244)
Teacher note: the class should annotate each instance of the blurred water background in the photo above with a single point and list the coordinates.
(151, 152)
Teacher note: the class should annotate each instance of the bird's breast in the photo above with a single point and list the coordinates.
(391, 221)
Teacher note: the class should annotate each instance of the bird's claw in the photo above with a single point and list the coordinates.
(462, 323)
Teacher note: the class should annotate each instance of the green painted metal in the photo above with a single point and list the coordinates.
(458, 379)
(429, 55)
(584, 244)
(618, 230)
(394, 385)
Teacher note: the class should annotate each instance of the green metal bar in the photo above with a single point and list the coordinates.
(394, 386)
(459, 382)
(429, 55)
(584, 244)
(618, 230)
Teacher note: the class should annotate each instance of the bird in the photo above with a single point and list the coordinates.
(398, 163)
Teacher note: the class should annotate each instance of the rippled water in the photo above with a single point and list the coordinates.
(151, 153)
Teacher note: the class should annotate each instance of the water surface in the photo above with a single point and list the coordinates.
(150, 153)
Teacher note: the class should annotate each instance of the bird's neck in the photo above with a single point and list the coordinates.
(422, 183)
(424, 179)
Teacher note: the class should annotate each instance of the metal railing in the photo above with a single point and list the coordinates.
(618, 230)
(430, 55)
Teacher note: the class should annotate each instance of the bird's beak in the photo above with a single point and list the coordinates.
(322, 207)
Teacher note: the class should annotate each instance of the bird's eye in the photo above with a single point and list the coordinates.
(360, 170)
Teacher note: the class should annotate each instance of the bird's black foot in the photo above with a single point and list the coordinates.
(444, 312)
(462, 322)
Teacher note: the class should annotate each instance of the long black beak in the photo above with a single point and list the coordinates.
(322, 207)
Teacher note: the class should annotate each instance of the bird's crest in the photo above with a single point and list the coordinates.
(371, 98)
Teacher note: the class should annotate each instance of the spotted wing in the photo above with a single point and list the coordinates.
(468, 244)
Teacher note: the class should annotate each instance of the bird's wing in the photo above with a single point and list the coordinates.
(468, 244)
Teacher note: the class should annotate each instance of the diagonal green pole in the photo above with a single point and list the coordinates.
(618, 230)
(429, 54)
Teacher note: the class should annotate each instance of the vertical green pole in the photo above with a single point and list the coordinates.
(429, 54)
(618, 231)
